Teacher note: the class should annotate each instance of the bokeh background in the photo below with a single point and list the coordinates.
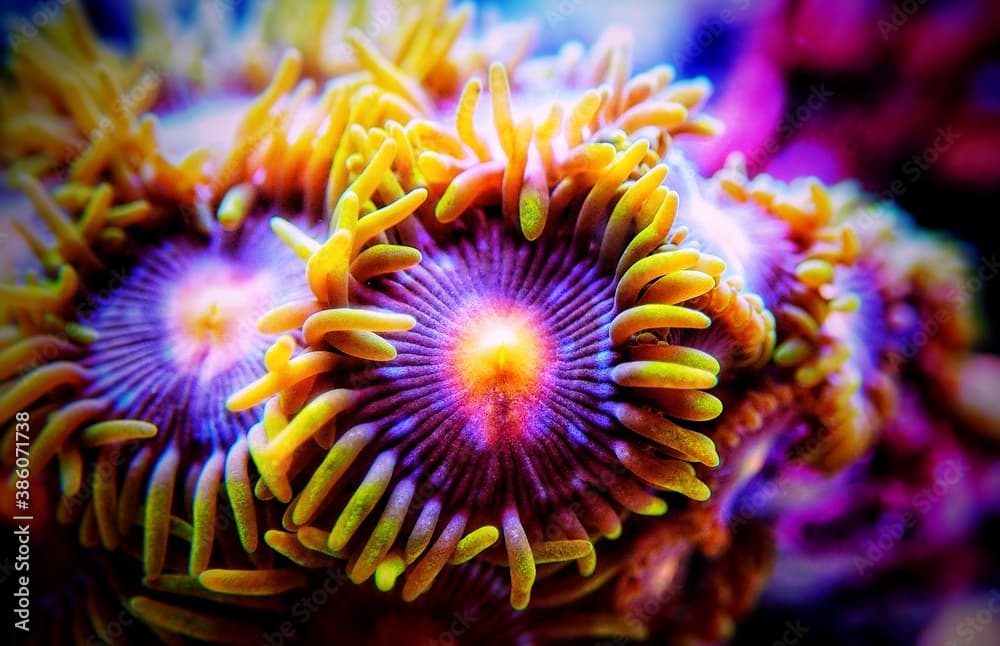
(904, 98)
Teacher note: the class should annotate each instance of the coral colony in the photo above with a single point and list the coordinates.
(333, 323)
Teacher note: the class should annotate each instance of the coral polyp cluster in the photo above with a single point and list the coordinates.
(440, 330)
(587, 411)
(130, 369)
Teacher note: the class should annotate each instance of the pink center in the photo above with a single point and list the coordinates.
(212, 317)
(499, 362)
